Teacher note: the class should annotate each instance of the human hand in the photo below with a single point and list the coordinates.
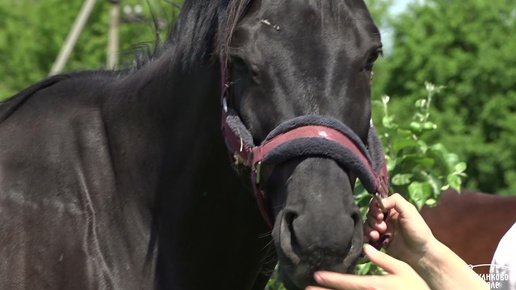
(401, 276)
(411, 238)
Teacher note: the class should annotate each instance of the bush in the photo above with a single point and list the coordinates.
(418, 170)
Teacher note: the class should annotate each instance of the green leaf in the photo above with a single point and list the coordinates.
(420, 103)
(452, 159)
(391, 163)
(429, 126)
(431, 202)
(387, 121)
(460, 167)
(422, 146)
(401, 144)
(404, 133)
(419, 192)
(412, 160)
(415, 127)
(416, 193)
(401, 179)
(454, 181)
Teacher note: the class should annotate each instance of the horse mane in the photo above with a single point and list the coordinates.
(8, 106)
(203, 30)
(11, 104)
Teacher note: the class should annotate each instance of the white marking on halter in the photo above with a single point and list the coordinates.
(268, 23)
(323, 134)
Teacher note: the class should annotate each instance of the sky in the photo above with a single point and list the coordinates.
(399, 5)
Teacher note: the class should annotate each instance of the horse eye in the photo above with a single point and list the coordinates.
(238, 63)
(242, 67)
(373, 56)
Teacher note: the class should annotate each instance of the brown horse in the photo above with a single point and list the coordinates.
(471, 224)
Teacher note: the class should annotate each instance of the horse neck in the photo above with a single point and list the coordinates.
(197, 196)
(168, 117)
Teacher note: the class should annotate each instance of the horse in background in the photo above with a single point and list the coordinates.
(471, 224)
(121, 179)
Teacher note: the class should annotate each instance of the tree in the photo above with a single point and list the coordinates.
(33, 32)
(467, 46)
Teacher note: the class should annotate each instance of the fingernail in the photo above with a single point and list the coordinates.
(369, 248)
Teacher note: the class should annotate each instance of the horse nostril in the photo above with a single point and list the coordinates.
(294, 244)
(290, 217)
(356, 216)
(358, 232)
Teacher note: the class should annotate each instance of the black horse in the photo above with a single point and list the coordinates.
(121, 179)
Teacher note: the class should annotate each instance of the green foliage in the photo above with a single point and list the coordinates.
(275, 283)
(419, 169)
(33, 32)
(468, 46)
(378, 9)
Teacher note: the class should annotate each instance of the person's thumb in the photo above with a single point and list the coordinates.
(383, 260)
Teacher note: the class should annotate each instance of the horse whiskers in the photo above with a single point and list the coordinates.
(270, 254)
(268, 259)
(279, 206)
(266, 247)
(264, 235)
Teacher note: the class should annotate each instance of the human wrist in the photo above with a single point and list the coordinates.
(427, 257)
(442, 269)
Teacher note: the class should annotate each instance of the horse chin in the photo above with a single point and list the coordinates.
(297, 266)
(300, 276)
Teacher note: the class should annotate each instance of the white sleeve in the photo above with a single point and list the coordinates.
(502, 272)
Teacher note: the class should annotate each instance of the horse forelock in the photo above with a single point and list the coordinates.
(202, 31)
(234, 12)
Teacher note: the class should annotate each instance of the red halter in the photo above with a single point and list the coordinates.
(309, 135)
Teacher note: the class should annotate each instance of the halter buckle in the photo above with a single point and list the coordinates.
(257, 168)
(378, 198)
(225, 104)
(238, 159)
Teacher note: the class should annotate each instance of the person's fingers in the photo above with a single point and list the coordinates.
(373, 214)
(388, 263)
(379, 226)
(371, 235)
(375, 210)
(316, 288)
(374, 217)
(400, 204)
(341, 281)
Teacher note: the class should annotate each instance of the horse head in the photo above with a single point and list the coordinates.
(302, 63)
